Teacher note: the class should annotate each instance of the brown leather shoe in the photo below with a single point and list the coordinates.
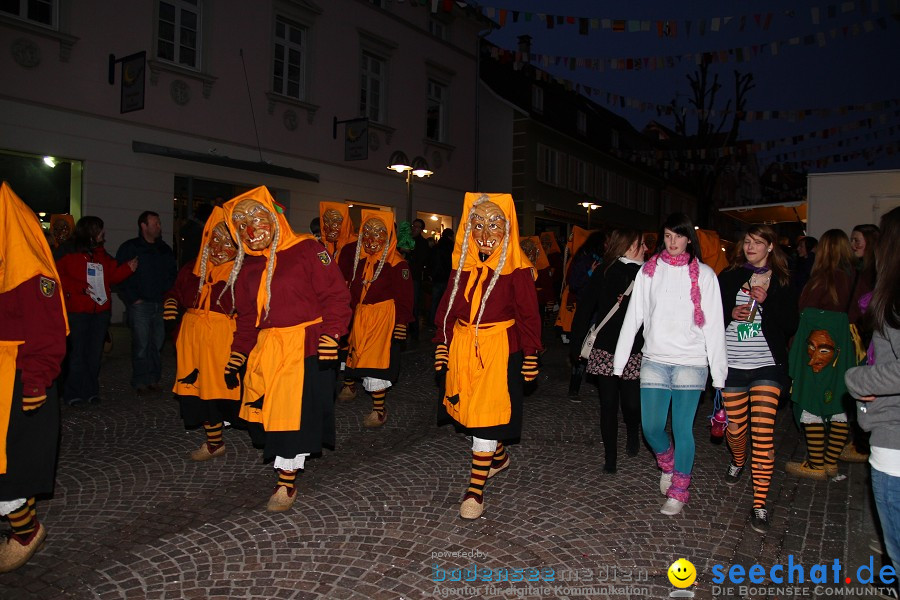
(503, 467)
(471, 507)
(281, 500)
(804, 469)
(348, 392)
(15, 553)
(203, 454)
(375, 419)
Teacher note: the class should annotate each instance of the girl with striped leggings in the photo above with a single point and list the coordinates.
(760, 308)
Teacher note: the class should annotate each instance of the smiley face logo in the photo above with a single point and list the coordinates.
(682, 573)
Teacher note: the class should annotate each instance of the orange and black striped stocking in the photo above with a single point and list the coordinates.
(815, 442)
(481, 465)
(736, 405)
(31, 502)
(838, 433)
(213, 435)
(763, 407)
(287, 479)
(22, 520)
(378, 401)
(500, 456)
(349, 382)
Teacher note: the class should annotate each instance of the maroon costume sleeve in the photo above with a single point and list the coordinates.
(528, 316)
(184, 291)
(331, 289)
(245, 289)
(29, 314)
(403, 293)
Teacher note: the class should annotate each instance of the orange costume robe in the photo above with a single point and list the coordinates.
(483, 391)
(33, 330)
(204, 339)
(377, 308)
(285, 393)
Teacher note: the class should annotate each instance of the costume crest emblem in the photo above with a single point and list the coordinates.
(323, 256)
(404, 273)
(48, 286)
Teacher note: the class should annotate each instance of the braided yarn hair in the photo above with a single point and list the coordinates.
(462, 261)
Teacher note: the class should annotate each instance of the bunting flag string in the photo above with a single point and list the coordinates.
(737, 55)
(669, 28)
(621, 101)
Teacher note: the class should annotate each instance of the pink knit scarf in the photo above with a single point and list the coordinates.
(694, 271)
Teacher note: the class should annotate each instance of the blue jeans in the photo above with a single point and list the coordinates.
(886, 489)
(87, 332)
(147, 336)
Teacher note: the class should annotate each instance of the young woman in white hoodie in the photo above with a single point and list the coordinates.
(676, 298)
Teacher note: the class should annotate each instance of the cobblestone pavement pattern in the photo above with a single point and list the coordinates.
(378, 517)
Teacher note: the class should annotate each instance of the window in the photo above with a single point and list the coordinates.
(371, 87)
(578, 176)
(602, 187)
(436, 120)
(549, 165)
(438, 29)
(613, 139)
(43, 12)
(582, 122)
(178, 32)
(537, 99)
(289, 69)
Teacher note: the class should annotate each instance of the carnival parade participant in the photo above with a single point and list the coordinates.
(381, 297)
(567, 305)
(205, 336)
(676, 298)
(760, 309)
(555, 258)
(292, 305)
(488, 336)
(32, 347)
(532, 248)
(336, 227)
(822, 351)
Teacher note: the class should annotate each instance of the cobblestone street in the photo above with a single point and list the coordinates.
(378, 517)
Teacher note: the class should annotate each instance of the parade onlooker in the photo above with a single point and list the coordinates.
(143, 297)
(604, 301)
(87, 271)
(806, 256)
(822, 352)
(32, 346)
(676, 298)
(418, 261)
(439, 270)
(381, 299)
(488, 337)
(760, 309)
(292, 306)
(877, 386)
(204, 339)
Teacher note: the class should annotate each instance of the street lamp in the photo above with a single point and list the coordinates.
(589, 206)
(400, 163)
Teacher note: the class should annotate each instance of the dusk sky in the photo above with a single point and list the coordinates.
(856, 65)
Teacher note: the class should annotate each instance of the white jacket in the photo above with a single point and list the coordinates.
(662, 304)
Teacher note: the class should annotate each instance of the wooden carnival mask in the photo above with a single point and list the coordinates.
(488, 227)
(530, 249)
(374, 236)
(331, 225)
(254, 223)
(222, 248)
(821, 350)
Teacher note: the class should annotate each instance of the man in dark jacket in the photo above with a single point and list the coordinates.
(142, 294)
